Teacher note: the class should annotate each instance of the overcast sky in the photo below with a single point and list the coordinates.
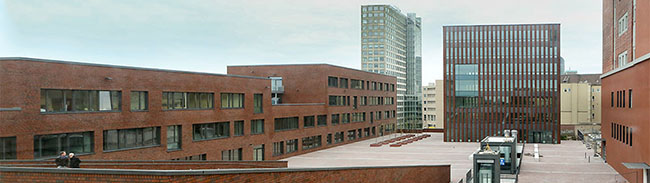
(208, 35)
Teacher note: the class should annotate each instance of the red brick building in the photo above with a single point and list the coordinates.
(252, 113)
(625, 118)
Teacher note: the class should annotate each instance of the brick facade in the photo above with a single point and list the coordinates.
(306, 94)
(415, 174)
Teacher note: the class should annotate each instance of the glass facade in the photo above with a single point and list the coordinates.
(501, 77)
(391, 44)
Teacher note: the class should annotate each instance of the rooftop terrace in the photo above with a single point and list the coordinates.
(566, 159)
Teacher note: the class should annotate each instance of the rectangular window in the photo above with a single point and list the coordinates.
(338, 137)
(343, 83)
(630, 98)
(292, 145)
(186, 100)
(288, 123)
(329, 139)
(139, 100)
(54, 100)
(332, 81)
(231, 155)
(278, 148)
(345, 118)
(612, 99)
(335, 119)
(322, 120)
(258, 153)
(623, 99)
(622, 24)
(7, 148)
(351, 134)
(311, 142)
(338, 100)
(174, 137)
(257, 100)
(239, 128)
(207, 131)
(131, 138)
(232, 100)
(356, 84)
(257, 126)
(309, 121)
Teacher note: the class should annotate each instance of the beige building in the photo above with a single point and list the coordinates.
(580, 103)
(432, 105)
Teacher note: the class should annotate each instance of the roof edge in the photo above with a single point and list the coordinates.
(119, 66)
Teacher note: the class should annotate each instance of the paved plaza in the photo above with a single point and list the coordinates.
(560, 163)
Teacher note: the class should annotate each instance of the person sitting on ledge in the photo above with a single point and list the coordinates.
(74, 161)
(62, 160)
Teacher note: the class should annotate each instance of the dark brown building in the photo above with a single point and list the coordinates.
(253, 113)
(502, 77)
(626, 122)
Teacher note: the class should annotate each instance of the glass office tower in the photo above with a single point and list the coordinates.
(391, 44)
(500, 77)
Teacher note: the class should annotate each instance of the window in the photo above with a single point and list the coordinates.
(239, 128)
(257, 126)
(174, 137)
(335, 119)
(612, 99)
(351, 134)
(53, 100)
(622, 24)
(186, 100)
(332, 81)
(338, 100)
(289, 123)
(139, 100)
(309, 121)
(209, 131)
(343, 83)
(258, 153)
(358, 117)
(622, 59)
(630, 98)
(232, 100)
(257, 100)
(231, 155)
(131, 138)
(338, 137)
(329, 139)
(8, 148)
(311, 142)
(278, 148)
(292, 145)
(356, 84)
(345, 118)
(322, 120)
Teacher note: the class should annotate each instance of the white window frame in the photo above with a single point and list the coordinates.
(622, 24)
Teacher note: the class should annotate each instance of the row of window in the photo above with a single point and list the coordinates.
(359, 84)
(119, 139)
(360, 100)
(57, 100)
(620, 99)
(621, 133)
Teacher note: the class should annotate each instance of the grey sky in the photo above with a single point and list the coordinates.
(206, 36)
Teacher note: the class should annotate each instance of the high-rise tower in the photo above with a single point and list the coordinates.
(391, 44)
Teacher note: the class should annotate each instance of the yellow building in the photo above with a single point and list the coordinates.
(432, 105)
(580, 104)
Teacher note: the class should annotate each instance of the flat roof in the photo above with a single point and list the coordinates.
(120, 67)
(499, 24)
(314, 64)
